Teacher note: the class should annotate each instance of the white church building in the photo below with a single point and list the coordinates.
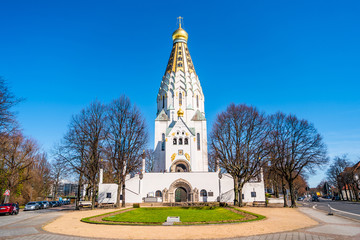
(181, 153)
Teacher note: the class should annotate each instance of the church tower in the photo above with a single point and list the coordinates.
(180, 125)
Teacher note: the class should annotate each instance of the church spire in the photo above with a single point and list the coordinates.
(180, 59)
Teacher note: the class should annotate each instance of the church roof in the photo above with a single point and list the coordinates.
(179, 123)
(180, 59)
(198, 116)
(162, 116)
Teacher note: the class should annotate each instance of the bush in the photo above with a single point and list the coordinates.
(223, 204)
(136, 205)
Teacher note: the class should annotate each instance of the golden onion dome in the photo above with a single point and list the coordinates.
(180, 34)
(180, 113)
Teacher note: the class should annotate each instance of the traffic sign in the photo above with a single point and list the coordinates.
(7, 193)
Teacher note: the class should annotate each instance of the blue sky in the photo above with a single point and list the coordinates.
(298, 57)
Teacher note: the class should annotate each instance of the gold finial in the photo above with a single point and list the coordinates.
(180, 33)
(180, 113)
(179, 19)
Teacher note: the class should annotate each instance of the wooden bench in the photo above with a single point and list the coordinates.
(259, 204)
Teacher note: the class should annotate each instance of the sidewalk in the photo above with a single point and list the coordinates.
(330, 228)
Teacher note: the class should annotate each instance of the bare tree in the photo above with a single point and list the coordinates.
(239, 143)
(59, 171)
(7, 102)
(126, 140)
(336, 168)
(18, 154)
(83, 144)
(296, 147)
(149, 160)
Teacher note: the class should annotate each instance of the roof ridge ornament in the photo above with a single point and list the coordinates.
(179, 21)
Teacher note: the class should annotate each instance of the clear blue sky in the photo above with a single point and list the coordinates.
(298, 57)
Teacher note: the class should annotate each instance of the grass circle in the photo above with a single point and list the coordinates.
(188, 216)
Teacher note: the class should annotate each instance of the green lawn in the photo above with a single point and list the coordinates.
(191, 214)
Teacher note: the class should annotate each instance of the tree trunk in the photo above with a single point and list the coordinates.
(123, 193)
(236, 196)
(276, 190)
(93, 194)
(240, 187)
(284, 193)
(292, 193)
(78, 192)
(118, 192)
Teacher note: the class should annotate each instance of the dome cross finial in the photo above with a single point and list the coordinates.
(180, 19)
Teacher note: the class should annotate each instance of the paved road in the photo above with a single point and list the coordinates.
(341, 208)
(27, 224)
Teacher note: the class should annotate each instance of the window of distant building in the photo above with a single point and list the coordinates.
(180, 141)
(174, 141)
(163, 142)
(186, 141)
(198, 141)
(180, 99)
(108, 195)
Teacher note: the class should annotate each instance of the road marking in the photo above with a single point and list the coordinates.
(358, 215)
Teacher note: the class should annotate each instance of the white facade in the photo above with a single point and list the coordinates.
(181, 158)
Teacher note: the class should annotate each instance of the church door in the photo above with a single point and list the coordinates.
(180, 195)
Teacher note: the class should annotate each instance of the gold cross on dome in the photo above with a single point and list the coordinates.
(180, 19)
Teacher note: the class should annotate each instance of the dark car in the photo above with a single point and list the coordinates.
(9, 208)
(46, 204)
(53, 204)
(315, 199)
(41, 204)
(32, 206)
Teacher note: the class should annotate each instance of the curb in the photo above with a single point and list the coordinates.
(337, 215)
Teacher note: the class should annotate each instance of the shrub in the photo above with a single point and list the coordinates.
(136, 205)
(223, 204)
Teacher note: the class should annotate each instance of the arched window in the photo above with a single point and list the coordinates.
(180, 58)
(203, 193)
(180, 99)
(197, 101)
(179, 52)
(163, 142)
(180, 141)
(179, 64)
(174, 141)
(158, 193)
(198, 141)
(163, 98)
(186, 141)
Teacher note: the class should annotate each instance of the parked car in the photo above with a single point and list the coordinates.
(300, 198)
(42, 206)
(9, 208)
(315, 199)
(32, 206)
(53, 204)
(46, 204)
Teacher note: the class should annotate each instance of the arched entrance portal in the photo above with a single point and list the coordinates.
(181, 191)
(180, 195)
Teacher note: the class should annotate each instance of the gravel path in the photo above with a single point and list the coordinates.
(278, 220)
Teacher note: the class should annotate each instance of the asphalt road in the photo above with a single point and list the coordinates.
(340, 208)
(28, 223)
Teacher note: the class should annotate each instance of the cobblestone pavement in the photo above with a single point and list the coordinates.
(29, 227)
